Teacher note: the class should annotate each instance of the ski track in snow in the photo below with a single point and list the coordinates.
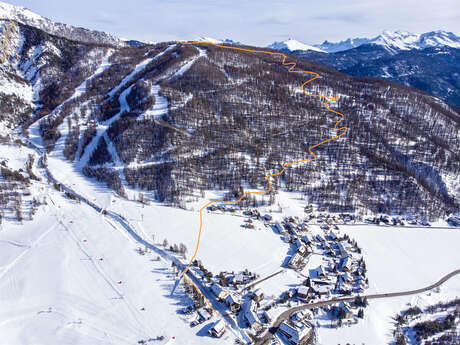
(139, 67)
(102, 131)
(104, 276)
(15, 261)
(16, 244)
(186, 67)
(103, 126)
(79, 90)
(160, 107)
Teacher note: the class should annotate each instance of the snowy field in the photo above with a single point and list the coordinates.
(54, 289)
(377, 326)
(398, 260)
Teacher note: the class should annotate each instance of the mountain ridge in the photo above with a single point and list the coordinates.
(395, 41)
(152, 118)
(291, 45)
(25, 16)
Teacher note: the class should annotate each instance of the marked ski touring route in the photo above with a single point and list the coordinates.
(341, 131)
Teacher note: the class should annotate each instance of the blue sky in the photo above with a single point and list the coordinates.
(251, 21)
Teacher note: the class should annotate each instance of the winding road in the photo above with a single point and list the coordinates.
(187, 273)
(341, 131)
(266, 337)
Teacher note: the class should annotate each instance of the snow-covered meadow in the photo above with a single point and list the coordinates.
(55, 289)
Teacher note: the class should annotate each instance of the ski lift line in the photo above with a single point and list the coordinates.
(341, 131)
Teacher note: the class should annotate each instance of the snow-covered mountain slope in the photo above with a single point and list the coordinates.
(395, 41)
(113, 136)
(433, 69)
(292, 45)
(27, 17)
(215, 40)
(333, 47)
(91, 101)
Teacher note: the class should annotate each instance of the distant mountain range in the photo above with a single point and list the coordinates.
(154, 117)
(293, 45)
(429, 62)
(392, 41)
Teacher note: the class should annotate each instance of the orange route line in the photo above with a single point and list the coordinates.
(342, 131)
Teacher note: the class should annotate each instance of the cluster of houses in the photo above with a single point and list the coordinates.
(247, 305)
(344, 271)
(333, 219)
(299, 328)
(326, 218)
(341, 272)
(396, 221)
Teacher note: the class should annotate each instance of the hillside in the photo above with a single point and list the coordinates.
(157, 117)
(428, 62)
(112, 158)
(432, 69)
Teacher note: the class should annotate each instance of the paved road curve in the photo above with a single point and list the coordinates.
(266, 337)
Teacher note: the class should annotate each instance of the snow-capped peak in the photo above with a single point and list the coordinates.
(216, 41)
(208, 39)
(292, 45)
(25, 16)
(18, 13)
(350, 43)
(394, 41)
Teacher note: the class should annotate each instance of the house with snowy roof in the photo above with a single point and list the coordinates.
(320, 238)
(320, 290)
(341, 248)
(220, 293)
(302, 250)
(257, 295)
(346, 277)
(332, 236)
(249, 314)
(301, 315)
(239, 278)
(343, 310)
(302, 292)
(296, 334)
(307, 238)
(218, 329)
(343, 287)
(346, 263)
(232, 302)
(279, 228)
(295, 261)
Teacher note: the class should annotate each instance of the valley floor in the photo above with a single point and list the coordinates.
(73, 276)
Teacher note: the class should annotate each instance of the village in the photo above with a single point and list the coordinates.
(330, 263)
